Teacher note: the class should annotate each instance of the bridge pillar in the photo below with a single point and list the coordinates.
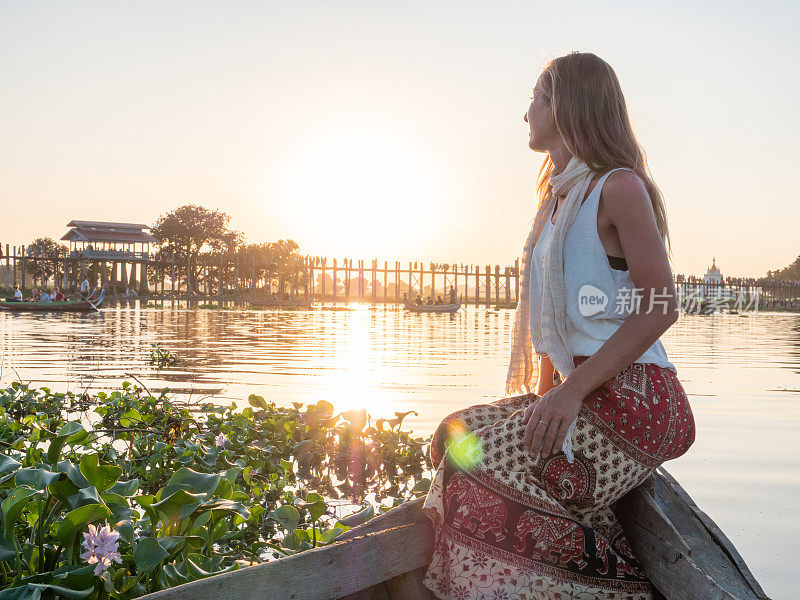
(123, 274)
(132, 281)
(143, 289)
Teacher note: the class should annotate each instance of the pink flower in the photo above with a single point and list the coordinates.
(221, 440)
(102, 547)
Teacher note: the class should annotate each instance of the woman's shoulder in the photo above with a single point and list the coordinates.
(624, 180)
(624, 191)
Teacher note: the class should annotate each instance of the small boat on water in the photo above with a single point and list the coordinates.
(684, 553)
(87, 304)
(434, 308)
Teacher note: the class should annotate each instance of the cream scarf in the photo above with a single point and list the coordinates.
(551, 332)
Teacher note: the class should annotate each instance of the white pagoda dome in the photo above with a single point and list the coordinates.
(713, 274)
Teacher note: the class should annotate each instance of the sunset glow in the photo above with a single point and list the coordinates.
(366, 187)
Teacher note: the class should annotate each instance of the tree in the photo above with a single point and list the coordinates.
(45, 251)
(189, 230)
(274, 260)
(791, 272)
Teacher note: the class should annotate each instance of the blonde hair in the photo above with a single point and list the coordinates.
(589, 112)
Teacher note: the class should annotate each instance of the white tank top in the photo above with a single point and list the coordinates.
(599, 298)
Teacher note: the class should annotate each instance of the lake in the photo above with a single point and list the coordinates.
(741, 373)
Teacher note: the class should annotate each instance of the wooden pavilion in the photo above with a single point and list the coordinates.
(120, 244)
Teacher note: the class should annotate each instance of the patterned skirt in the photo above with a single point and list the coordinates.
(511, 526)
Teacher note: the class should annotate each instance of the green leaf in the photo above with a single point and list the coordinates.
(174, 577)
(200, 520)
(224, 489)
(199, 482)
(148, 554)
(67, 430)
(132, 418)
(62, 488)
(330, 534)
(7, 550)
(315, 505)
(194, 564)
(257, 401)
(62, 591)
(73, 473)
(83, 497)
(125, 488)
(76, 520)
(194, 569)
(178, 505)
(171, 542)
(38, 479)
(103, 477)
(112, 499)
(73, 577)
(22, 592)
(146, 502)
(287, 516)
(8, 464)
(125, 530)
(108, 584)
(13, 506)
(226, 506)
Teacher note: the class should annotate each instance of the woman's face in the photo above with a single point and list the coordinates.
(542, 131)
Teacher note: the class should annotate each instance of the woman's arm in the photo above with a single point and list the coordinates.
(628, 205)
(546, 373)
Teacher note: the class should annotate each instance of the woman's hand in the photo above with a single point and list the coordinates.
(558, 408)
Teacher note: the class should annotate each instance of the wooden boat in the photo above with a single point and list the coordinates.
(434, 308)
(684, 553)
(85, 305)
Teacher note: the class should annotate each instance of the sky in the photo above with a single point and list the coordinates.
(390, 130)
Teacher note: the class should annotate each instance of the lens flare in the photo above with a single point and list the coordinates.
(464, 447)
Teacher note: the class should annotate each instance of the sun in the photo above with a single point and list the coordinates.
(361, 192)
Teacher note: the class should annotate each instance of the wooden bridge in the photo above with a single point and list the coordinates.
(239, 275)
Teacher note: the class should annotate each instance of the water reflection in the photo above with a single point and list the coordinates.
(742, 375)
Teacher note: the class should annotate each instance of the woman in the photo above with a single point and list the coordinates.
(521, 500)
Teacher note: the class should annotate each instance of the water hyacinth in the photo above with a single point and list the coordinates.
(102, 547)
(172, 449)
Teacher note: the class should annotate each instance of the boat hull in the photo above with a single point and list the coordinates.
(82, 306)
(683, 552)
(432, 308)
